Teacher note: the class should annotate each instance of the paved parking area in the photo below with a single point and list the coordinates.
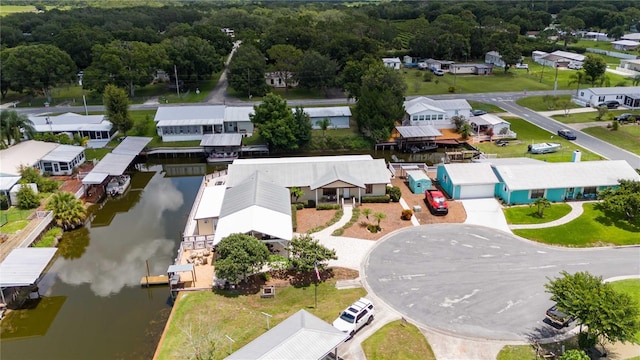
(477, 282)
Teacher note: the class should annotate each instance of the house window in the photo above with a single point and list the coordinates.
(440, 117)
(581, 93)
(329, 192)
(591, 190)
(64, 166)
(47, 167)
(618, 97)
(537, 193)
(421, 118)
(414, 118)
(600, 98)
(368, 189)
(571, 190)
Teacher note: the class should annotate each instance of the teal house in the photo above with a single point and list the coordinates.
(524, 183)
(467, 180)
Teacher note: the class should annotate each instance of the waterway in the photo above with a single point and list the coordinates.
(93, 306)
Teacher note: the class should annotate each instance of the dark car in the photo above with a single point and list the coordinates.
(476, 112)
(502, 142)
(567, 134)
(610, 104)
(626, 117)
(557, 317)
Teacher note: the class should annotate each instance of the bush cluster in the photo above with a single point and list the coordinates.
(353, 142)
(394, 193)
(328, 207)
(406, 214)
(376, 199)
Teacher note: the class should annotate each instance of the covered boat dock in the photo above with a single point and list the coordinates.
(23, 268)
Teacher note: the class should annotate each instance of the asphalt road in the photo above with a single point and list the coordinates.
(479, 282)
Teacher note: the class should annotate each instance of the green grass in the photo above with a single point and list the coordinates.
(15, 214)
(536, 103)
(13, 227)
(626, 137)
(396, 340)
(592, 228)
(157, 142)
(517, 352)
(239, 316)
(49, 238)
(630, 287)
(529, 214)
(528, 134)
(96, 153)
(490, 108)
(11, 9)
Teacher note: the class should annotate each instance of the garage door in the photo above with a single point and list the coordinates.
(476, 191)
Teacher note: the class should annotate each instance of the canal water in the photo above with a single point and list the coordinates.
(93, 306)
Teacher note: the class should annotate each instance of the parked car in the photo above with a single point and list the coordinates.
(438, 72)
(610, 104)
(476, 112)
(502, 142)
(567, 134)
(357, 315)
(626, 118)
(558, 317)
(522, 66)
(436, 202)
(575, 66)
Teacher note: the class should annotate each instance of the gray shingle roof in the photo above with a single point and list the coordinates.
(299, 337)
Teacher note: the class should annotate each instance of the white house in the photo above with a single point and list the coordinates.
(228, 32)
(628, 96)
(596, 36)
(96, 127)
(184, 123)
(279, 79)
(393, 63)
(630, 65)
(51, 158)
(631, 36)
(499, 127)
(494, 58)
(625, 45)
(557, 58)
(422, 111)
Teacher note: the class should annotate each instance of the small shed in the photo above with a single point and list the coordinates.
(418, 181)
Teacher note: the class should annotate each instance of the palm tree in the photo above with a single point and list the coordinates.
(12, 127)
(68, 212)
(541, 203)
(366, 212)
(379, 217)
(296, 192)
(465, 130)
(577, 78)
(324, 125)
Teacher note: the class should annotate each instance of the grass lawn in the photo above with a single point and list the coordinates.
(626, 137)
(96, 153)
(239, 316)
(630, 287)
(529, 214)
(537, 103)
(13, 227)
(517, 352)
(490, 108)
(592, 228)
(15, 214)
(398, 341)
(528, 134)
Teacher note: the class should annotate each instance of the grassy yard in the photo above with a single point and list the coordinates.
(91, 153)
(240, 316)
(626, 137)
(490, 108)
(529, 214)
(574, 118)
(632, 288)
(592, 228)
(396, 340)
(517, 352)
(15, 214)
(528, 134)
(537, 103)
(14, 226)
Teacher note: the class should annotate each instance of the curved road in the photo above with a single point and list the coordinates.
(479, 282)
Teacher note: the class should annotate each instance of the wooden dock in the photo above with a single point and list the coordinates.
(154, 280)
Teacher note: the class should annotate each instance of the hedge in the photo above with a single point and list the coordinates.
(376, 199)
(328, 207)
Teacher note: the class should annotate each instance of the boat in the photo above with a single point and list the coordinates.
(222, 157)
(543, 148)
(118, 185)
(422, 148)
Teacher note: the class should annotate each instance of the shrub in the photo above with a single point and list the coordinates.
(328, 207)
(27, 198)
(4, 202)
(354, 217)
(376, 199)
(299, 206)
(452, 89)
(394, 193)
(427, 77)
(406, 214)
(373, 228)
(265, 276)
(311, 204)
(615, 125)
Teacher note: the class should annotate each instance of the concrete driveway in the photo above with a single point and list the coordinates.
(485, 212)
(478, 282)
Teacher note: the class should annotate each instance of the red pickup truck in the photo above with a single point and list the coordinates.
(436, 202)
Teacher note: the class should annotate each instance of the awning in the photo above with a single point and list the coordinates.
(180, 268)
(94, 178)
(23, 266)
(131, 145)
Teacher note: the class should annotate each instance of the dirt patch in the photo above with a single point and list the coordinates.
(310, 218)
(457, 214)
(392, 222)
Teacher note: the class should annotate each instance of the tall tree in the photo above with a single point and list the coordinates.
(285, 60)
(13, 126)
(38, 68)
(194, 58)
(275, 123)
(124, 63)
(594, 67)
(307, 253)
(68, 212)
(239, 255)
(301, 126)
(27, 198)
(246, 71)
(623, 202)
(316, 71)
(577, 78)
(77, 40)
(569, 25)
(117, 105)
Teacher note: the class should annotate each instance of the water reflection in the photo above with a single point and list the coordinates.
(74, 243)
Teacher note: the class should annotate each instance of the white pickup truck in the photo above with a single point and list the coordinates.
(355, 316)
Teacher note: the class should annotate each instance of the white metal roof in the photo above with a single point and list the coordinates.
(337, 174)
(67, 119)
(418, 175)
(631, 36)
(25, 153)
(566, 174)
(189, 122)
(626, 43)
(23, 266)
(63, 153)
(113, 164)
(322, 112)
(184, 113)
(615, 90)
(210, 202)
(227, 139)
(301, 336)
(94, 178)
(418, 131)
(104, 126)
(7, 182)
(569, 55)
(487, 119)
(509, 161)
(305, 171)
(131, 145)
(471, 174)
(424, 103)
(391, 60)
(238, 113)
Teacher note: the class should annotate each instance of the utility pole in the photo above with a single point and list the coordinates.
(175, 71)
(555, 85)
(249, 81)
